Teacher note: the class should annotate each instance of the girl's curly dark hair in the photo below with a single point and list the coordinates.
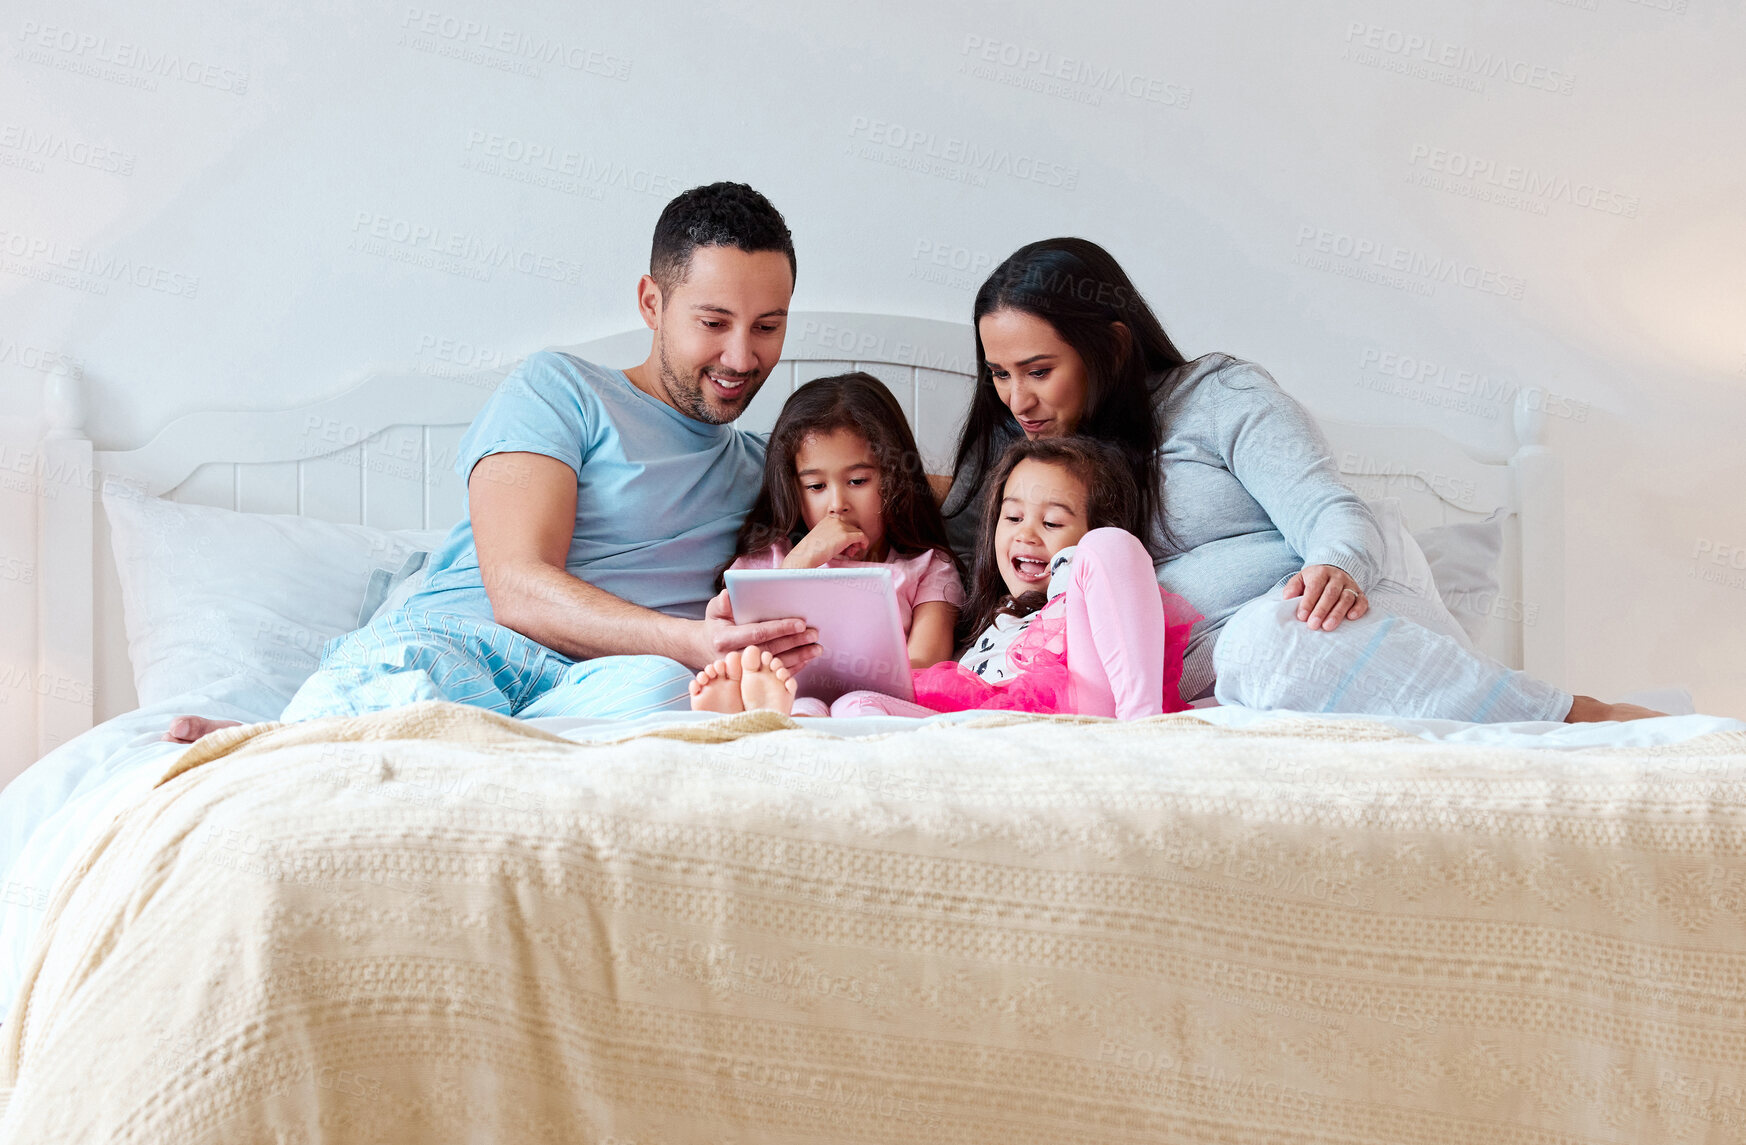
(1112, 500)
(861, 403)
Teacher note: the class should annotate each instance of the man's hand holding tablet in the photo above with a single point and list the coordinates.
(789, 638)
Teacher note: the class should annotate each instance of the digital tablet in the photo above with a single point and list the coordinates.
(855, 612)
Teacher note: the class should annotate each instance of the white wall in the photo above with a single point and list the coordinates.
(190, 199)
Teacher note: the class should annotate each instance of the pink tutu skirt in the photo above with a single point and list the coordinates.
(1042, 684)
(950, 687)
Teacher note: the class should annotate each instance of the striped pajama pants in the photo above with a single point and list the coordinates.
(408, 656)
(1400, 659)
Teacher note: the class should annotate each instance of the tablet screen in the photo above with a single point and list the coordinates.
(855, 612)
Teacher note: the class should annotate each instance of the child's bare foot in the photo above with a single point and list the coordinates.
(717, 687)
(187, 729)
(765, 685)
(1587, 709)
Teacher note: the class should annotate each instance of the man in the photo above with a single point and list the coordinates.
(600, 504)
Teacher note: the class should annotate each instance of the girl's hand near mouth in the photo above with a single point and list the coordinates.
(831, 537)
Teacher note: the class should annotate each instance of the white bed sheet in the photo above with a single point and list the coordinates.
(48, 812)
(1541, 734)
(50, 809)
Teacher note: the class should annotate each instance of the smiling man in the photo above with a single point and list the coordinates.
(600, 503)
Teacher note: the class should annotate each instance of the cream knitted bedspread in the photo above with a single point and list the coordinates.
(437, 925)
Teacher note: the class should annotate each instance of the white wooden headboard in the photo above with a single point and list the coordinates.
(381, 454)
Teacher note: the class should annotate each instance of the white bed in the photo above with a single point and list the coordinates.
(380, 454)
(377, 455)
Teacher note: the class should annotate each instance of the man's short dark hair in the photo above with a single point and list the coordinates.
(721, 214)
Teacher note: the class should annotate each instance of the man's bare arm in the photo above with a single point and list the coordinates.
(523, 509)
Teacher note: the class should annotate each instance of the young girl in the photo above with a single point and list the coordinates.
(843, 488)
(1065, 606)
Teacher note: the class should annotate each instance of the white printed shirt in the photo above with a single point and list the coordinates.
(987, 656)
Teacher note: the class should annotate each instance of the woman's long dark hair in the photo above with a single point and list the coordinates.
(861, 403)
(1112, 500)
(1079, 289)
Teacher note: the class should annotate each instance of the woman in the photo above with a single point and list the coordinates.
(1250, 521)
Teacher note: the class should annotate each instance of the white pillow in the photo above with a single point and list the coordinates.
(1402, 560)
(393, 586)
(210, 593)
(406, 584)
(1464, 559)
(1405, 564)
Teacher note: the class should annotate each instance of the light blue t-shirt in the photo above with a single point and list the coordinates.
(659, 496)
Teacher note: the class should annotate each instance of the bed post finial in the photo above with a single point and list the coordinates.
(1530, 417)
(64, 405)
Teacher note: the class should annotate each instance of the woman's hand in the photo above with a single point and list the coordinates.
(829, 538)
(1330, 595)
